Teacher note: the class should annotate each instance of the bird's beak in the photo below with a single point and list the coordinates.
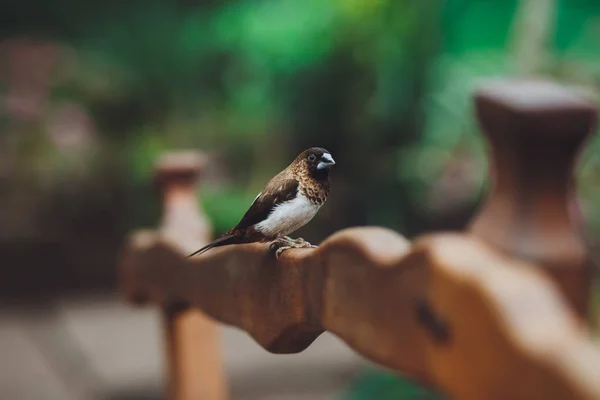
(326, 161)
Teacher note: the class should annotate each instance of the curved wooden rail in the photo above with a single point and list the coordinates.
(358, 284)
(448, 311)
(474, 314)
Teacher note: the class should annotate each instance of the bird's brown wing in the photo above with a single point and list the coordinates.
(277, 191)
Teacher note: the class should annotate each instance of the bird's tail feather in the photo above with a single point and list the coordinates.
(228, 238)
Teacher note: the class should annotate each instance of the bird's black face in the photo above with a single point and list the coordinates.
(319, 161)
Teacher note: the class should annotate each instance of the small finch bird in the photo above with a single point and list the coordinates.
(288, 202)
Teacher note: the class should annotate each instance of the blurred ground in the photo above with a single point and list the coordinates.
(98, 347)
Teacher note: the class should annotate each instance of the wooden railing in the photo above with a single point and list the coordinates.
(497, 312)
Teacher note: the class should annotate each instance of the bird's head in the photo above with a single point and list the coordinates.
(317, 162)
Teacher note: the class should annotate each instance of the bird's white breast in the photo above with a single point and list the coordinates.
(288, 217)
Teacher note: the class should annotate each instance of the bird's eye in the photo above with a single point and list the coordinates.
(312, 157)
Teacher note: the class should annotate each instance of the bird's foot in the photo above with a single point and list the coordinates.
(303, 243)
(298, 242)
(281, 250)
(284, 243)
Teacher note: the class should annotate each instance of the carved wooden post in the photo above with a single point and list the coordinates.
(535, 131)
(195, 368)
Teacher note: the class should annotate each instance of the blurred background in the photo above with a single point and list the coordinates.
(92, 92)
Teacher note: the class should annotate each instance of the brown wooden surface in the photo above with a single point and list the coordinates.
(194, 366)
(457, 311)
(507, 328)
(511, 334)
(358, 285)
(535, 131)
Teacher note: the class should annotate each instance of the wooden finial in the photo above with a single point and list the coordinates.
(179, 167)
(535, 130)
(183, 221)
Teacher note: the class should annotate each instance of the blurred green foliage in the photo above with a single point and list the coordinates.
(383, 385)
(247, 78)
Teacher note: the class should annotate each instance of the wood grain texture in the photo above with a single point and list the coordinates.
(535, 131)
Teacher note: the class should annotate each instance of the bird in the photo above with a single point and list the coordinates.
(288, 201)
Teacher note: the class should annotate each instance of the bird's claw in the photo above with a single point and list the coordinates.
(303, 242)
(281, 250)
(300, 242)
(285, 243)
